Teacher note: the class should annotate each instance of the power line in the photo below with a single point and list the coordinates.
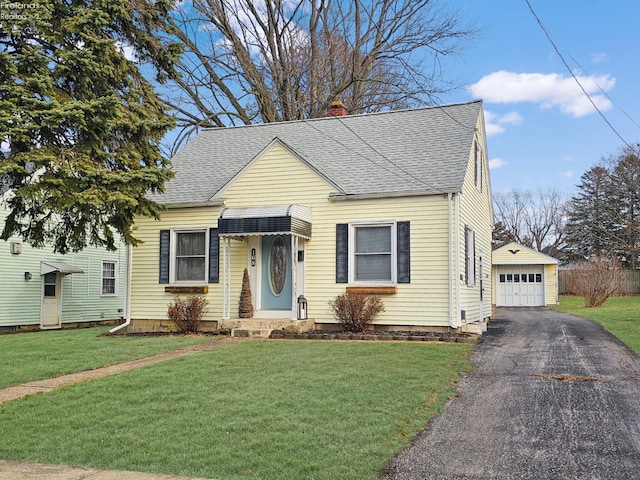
(548, 35)
(419, 180)
(605, 93)
(413, 177)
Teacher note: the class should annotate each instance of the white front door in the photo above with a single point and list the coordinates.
(51, 300)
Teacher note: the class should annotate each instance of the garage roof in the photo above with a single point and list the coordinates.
(516, 254)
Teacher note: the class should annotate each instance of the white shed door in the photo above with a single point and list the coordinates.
(51, 298)
(520, 286)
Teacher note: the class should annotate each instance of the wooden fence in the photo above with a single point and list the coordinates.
(631, 287)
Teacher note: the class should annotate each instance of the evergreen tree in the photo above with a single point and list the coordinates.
(79, 125)
(245, 308)
(625, 177)
(591, 223)
(501, 235)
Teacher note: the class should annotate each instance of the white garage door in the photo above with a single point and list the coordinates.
(520, 286)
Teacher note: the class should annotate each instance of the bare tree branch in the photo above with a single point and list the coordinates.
(534, 219)
(276, 60)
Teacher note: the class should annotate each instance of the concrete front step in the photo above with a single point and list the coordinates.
(262, 327)
(251, 333)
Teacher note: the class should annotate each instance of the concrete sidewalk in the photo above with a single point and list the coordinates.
(10, 470)
(39, 471)
(42, 386)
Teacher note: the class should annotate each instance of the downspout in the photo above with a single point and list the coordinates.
(458, 279)
(127, 293)
(450, 256)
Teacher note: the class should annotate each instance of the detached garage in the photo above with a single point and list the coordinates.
(523, 277)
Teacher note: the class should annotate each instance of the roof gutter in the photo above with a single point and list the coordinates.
(211, 203)
(337, 197)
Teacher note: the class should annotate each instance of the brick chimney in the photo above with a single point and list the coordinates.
(336, 109)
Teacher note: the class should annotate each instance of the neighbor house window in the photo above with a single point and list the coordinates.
(190, 256)
(109, 269)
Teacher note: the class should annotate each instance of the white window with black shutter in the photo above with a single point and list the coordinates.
(189, 256)
(373, 253)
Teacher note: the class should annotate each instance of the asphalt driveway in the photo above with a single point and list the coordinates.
(552, 396)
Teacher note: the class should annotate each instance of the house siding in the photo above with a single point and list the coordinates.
(524, 256)
(148, 297)
(20, 299)
(279, 178)
(475, 212)
(551, 284)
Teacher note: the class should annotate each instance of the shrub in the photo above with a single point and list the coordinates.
(245, 307)
(355, 312)
(596, 280)
(187, 313)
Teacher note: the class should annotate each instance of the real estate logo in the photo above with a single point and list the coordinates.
(12, 13)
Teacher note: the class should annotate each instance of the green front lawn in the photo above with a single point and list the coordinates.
(259, 409)
(33, 356)
(619, 315)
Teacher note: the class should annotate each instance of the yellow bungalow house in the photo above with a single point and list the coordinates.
(396, 204)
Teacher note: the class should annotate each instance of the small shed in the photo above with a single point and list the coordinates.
(523, 277)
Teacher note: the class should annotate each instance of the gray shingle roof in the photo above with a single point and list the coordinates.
(397, 152)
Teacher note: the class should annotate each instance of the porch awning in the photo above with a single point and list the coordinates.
(273, 220)
(62, 267)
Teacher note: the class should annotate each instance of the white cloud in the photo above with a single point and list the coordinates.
(180, 5)
(492, 129)
(548, 90)
(495, 124)
(249, 25)
(496, 163)
(567, 174)
(127, 50)
(511, 118)
(599, 57)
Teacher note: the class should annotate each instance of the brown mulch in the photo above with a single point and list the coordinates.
(379, 336)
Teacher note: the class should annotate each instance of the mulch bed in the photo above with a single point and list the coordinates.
(449, 337)
(216, 333)
(379, 336)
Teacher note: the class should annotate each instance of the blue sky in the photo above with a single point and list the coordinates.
(542, 130)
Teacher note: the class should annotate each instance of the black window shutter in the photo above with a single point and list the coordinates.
(466, 254)
(404, 252)
(214, 256)
(165, 253)
(342, 253)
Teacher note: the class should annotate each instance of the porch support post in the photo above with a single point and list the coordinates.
(226, 278)
(294, 277)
